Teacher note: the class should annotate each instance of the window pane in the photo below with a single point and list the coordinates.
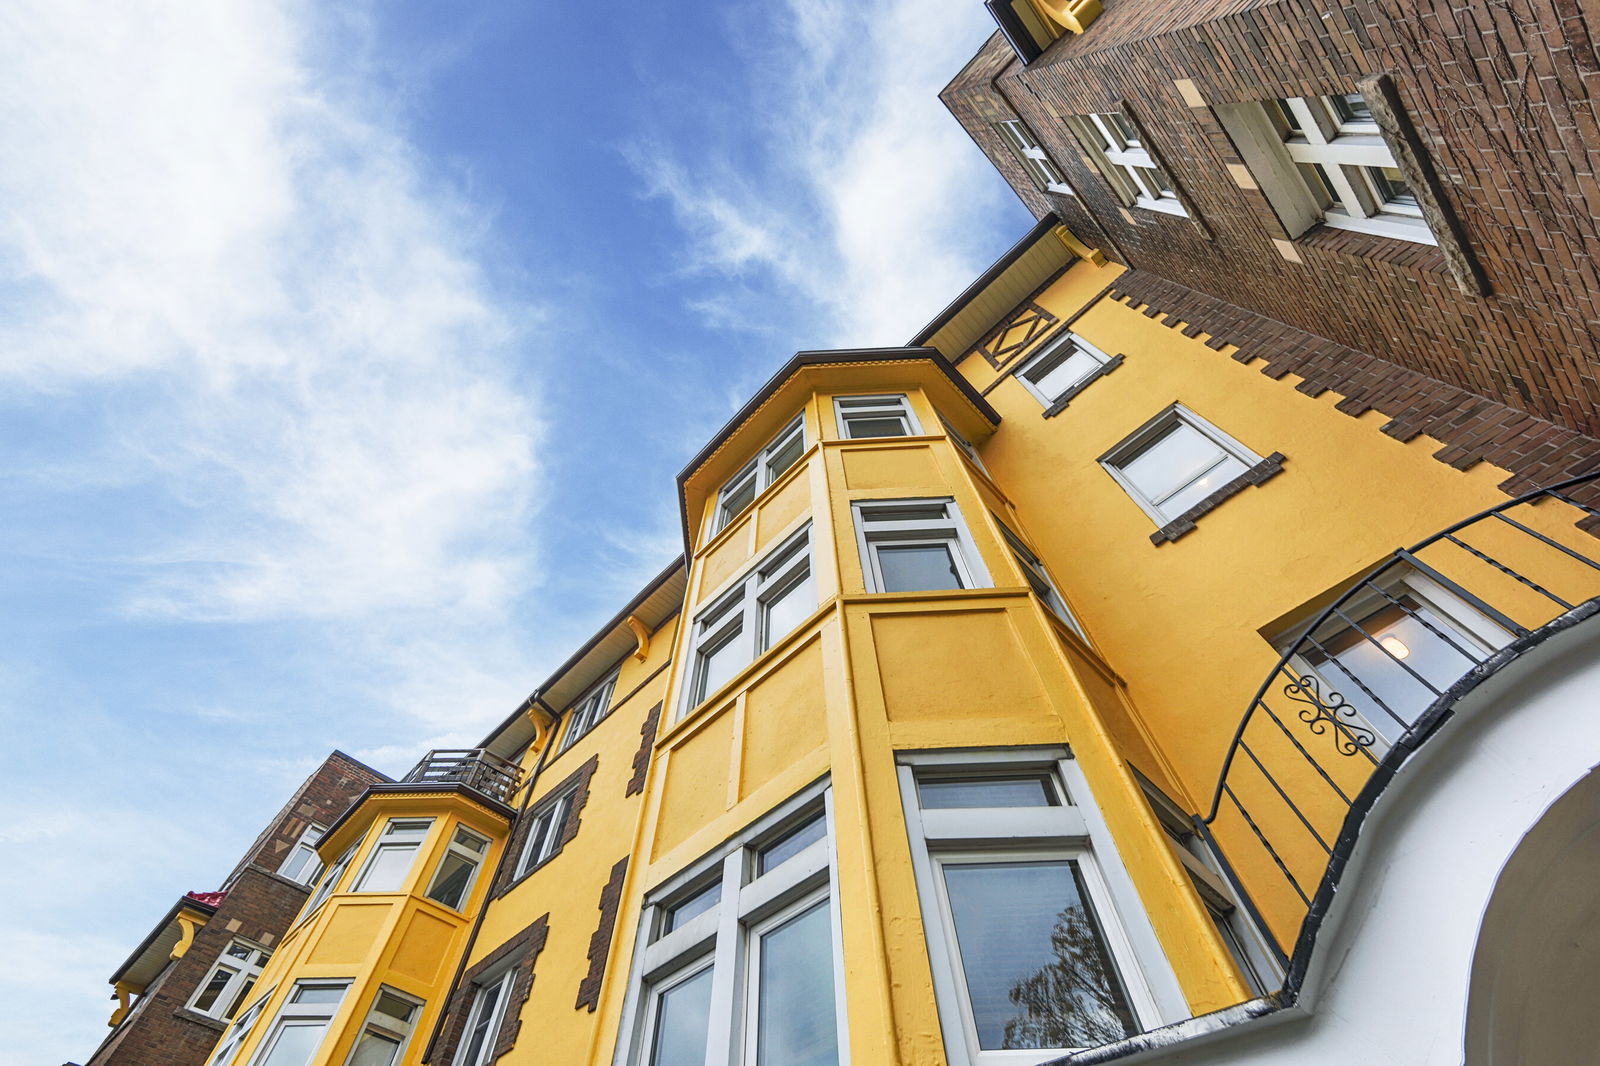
(683, 1014)
(375, 1049)
(318, 994)
(389, 868)
(450, 883)
(959, 792)
(399, 1009)
(1038, 972)
(1059, 373)
(213, 988)
(774, 855)
(738, 499)
(789, 608)
(720, 662)
(784, 456)
(795, 1023)
(1225, 471)
(482, 1023)
(917, 567)
(859, 426)
(409, 830)
(471, 841)
(696, 904)
(239, 997)
(296, 1043)
(1182, 454)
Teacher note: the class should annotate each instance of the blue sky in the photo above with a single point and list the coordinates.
(347, 353)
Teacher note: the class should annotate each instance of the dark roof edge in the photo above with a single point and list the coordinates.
(347, 757)
(489, 803)
(159, 928)
(1040, 229)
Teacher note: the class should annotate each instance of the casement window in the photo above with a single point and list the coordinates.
(1114, 143)
(1037, 939)
(739, 959)
(390, 862)
(386, 1031)
(544, 834)
(1039, 579)
(875, 416)
(230, 980)
(485, 1019)
(330, 880)
(961, 442)
(1066, 361)
(774, 597)
(302, 1024)
(1174, 461)
(782, 452)
(235, 1034)
(916, 546)
(458, 870)
(1040, 168)
(588, 712)
(302, 863)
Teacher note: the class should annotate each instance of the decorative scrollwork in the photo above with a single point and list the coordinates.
(1321, 710)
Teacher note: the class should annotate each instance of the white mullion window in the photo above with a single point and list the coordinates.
(739, 961)
(1034, 159)
(780, 453)
(875, 416)
(776, 595)
(588, 711)
(302, 863)
(1133, 171)
(458, 870)
(544, 835)
(916, 546)
(484, 1020)
(330, 879)
(389, 865)
(1059, 365)
(230, 980)
(301, 1024)
(1174, 461)
(1040, 581)
(387, 1030)
(1038, 941)
(242, 1026)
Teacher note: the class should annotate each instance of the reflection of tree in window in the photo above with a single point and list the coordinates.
(1076, 999)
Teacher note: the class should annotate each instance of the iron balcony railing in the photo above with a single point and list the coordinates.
(477, 768)
(1370, 679)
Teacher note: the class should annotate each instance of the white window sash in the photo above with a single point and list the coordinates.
(757, 474)
(1132, 446)
(501, 984)
(950, 531)
(1065, 346)
(243, 973)
(892, 405)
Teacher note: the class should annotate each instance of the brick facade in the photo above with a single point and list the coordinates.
(641, 758)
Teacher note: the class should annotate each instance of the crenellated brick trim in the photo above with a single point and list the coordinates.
(600, 942)
(1470, 428)
(1184, 524)
(578, 780)
(641, 758)
(521, 952)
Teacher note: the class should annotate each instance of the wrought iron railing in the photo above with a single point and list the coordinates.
(1371, 678)
(477, 768)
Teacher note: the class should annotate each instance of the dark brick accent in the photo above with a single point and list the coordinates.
(600, 942)
(1073, 392)
(578, 781)
(521, 952)
(641, 758)
(1184, 524)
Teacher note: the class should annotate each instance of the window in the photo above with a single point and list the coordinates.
(1114, 142)
(1176, 460)
(302, 1023)
(302, 863)
(234, 1035)
(772, 599)
(484, 1020)
(1028, 930)
(544, 834)
(779, 455)
(390, 862)
(875, 416)
(452, 882)
(588, 711)
(386, 1030)
(962, 443)
(916, 546)
(1039, 580)
(753, 953)
(330, 879)
(1067, 361)
(1041, 169)
(230, 980)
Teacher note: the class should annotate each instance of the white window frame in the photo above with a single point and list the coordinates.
(877, 525)
(1114, 142)
(1039, 580)
(295, 1015)
(1034, 159)
(239, 1029)
(886, 405)
(378, 849)
(1074, 831)
(1062, 348)
(464, 851)
(963, 445)
(502, 983)
(759, 473)
(1131, 446)
(303, 857)
(589, 711)
(386, 1026)
(243, 971)
(330, 879)
(739, 614)
(544, 835)
(727, 935)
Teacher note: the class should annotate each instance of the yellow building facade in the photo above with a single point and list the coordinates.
(902, 762)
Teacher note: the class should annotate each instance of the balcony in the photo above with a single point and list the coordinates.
(476, 768)
(1371, 679)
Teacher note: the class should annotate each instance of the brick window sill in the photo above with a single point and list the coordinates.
(1184, 524)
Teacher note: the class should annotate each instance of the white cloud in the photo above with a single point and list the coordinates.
(851, 184)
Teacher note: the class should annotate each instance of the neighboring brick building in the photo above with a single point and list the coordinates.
(189, 975)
